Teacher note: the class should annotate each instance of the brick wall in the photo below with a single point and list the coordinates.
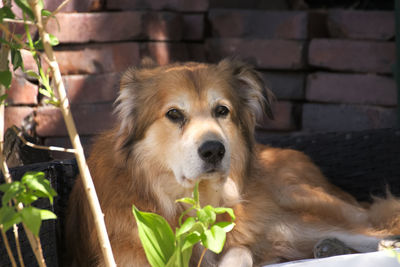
(331, 70)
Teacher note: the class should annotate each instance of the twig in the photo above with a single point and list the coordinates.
(18, 21)
(7, 245)
(83, 167)
(201, 257)
(4, 52)
(51, 148)
(15, 38)
(36, 247)
(58, 9)
(16, 237)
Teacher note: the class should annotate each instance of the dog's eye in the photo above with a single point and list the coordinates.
(221, 111)
(175, 115)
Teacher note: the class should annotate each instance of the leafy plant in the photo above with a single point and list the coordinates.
(26, 191)
(164, 248)
(32, 186)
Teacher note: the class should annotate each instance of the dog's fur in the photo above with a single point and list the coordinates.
(283, 203)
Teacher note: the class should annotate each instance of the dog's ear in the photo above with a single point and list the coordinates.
(252, 87)
(132, 97)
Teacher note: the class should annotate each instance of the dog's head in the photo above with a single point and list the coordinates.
(193, 120)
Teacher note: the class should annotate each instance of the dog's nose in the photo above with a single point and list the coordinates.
(211, 151)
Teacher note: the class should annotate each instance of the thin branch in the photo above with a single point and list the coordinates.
(58, 9)
(8, 248)
(51, 148)
(15, 38)
(18, 21)
(16, 237)
(4, 53)
(36, 247)
(201, 257)
(90, 190)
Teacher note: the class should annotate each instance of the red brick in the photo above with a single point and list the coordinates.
(250, 4)
(89, 119)
(29, 62)
(22, 91)
(332, 118)
(162, 26)
(165, 53)
(116, 26)
(196, 52)
(193, 27)
(92, 88)
(265, 54)
(285, 85)
(378, 25)
(284, 118)
(228, 23)
(351, 88)
(16, 115)
(91, 59)
(357, 56)
(177, 5)
(76, 5)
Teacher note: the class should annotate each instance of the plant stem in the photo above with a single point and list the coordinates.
(16, 237)
(201, 257)
(4, 52)
(36, 246)
(83, 167)
(7, 245)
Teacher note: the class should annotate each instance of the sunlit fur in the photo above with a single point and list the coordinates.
(283, 204)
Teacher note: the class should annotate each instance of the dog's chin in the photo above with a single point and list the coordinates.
(189, 182)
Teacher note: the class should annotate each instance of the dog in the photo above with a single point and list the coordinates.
(187, 122)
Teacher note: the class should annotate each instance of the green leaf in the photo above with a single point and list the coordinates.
(53, 42)
(156, 236)
(13, 191)
(40, 186)
(207, 215)
(221, 210)
(185, 227)
(5, 78)
(46, 13)
(4, 187)
(226, 226)
(8, 217)
(214, 239)
(26, 198)
(16, 59)
(31, 217)
(23, 4)
(6, 12)
(47, 215)
(38, 45)
(45, 92)
(32, 74)
(190, 240)
(186, 200)
(3, 98)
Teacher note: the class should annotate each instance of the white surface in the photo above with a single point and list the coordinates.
(372, 259)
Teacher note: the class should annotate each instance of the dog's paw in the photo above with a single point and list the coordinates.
(238, 257)
(331, 247)
(389, 242)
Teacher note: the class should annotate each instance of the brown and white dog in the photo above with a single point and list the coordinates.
(181, 123)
